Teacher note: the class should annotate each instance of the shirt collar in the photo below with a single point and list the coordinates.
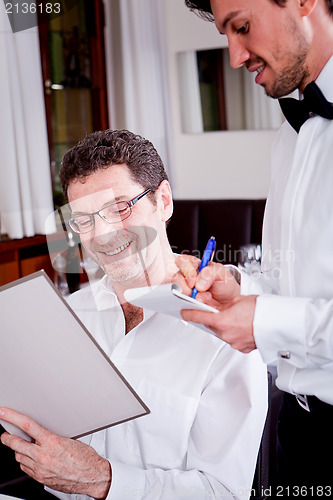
(106, 285)
(106, 297)
(325, 79)
(104, 294)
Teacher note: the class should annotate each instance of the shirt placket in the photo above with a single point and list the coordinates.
(120, 353)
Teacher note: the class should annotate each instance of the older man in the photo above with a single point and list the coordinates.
(207, 401)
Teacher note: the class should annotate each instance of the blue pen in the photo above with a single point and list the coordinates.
(206, 258)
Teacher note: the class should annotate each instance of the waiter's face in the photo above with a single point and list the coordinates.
(271, 41)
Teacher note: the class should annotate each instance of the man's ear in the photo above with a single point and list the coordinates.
(307, 6)
(164, 200)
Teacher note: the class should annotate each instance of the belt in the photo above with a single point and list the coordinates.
(312, 403)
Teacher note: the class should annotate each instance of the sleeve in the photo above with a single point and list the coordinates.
(255, 283)
(300, 329)
(223, 443)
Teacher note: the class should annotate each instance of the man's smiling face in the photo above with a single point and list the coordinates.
(124, 249)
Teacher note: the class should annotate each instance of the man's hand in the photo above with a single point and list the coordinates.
(233, 324)
(219, 289)
(216, 284)
(60, 463)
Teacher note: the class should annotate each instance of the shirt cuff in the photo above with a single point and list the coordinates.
(279, 329)
(250, 285)
(234, 271)
(127, 482)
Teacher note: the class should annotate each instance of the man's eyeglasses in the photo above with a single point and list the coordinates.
(111, 214)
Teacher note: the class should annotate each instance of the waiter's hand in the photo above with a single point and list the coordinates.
(218, 288)
(60, 463)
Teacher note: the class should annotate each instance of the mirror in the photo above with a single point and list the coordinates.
(214, 96)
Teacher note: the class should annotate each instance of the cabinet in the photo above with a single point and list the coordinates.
(19, 258)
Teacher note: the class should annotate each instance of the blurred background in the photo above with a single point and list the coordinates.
(150, 66)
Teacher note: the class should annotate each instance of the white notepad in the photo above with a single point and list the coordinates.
(52, 369)
(166, 299)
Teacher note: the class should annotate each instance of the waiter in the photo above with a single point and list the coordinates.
(287, 311)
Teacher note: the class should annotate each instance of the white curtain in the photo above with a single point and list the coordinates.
(138, 77)
(190, 101)
(261, 112)
(248, 107)
(25, 182)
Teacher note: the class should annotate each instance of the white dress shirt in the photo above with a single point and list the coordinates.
(208, 405)
(295, 326)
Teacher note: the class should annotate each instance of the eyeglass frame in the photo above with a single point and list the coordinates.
(129, 203)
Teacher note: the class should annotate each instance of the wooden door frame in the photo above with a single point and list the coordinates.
(99, 92)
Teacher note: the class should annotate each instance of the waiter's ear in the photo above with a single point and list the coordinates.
(307, 6)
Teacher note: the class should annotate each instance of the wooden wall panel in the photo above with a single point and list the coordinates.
(9, 267)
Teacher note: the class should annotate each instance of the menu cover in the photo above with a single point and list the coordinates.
(51, 368)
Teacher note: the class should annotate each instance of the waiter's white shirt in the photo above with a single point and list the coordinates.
(297, 264)
(208, 405)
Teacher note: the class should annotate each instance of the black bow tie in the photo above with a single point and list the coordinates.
(314, 102)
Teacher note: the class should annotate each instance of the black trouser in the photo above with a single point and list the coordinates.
(305, 447)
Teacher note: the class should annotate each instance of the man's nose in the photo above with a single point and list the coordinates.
(239, 54)
(103, 230)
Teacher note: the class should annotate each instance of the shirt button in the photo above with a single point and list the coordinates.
(284, 354)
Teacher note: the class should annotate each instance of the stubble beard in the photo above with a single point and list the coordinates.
(135, 266)
(296, 71)
(126, 268)
(290, 78)
(122, 272)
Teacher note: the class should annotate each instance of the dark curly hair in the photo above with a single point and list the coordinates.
(203, 8)
(113, 147)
